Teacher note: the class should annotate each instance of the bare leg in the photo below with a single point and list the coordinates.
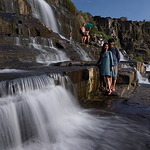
(113, 85)
(110, 79)
(109, 84)
(88, 39)
(84, 39)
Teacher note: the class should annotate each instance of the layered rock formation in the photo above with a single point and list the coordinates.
(133, 36)
(25, 38)
(22, 34)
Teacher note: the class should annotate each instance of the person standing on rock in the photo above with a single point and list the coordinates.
(116, 59)
(87, 34)
(82, 31)
(105, 64)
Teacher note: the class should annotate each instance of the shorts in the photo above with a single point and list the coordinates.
(115, 73)
(83, 33)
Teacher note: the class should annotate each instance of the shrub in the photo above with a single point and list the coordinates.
(71, 7)
(139, 59)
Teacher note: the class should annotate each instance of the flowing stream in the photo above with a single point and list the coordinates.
(142, 79)
(42, 113)
(43, 11)
(122, 58)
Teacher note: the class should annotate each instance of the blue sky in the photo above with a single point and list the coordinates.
(136, 10)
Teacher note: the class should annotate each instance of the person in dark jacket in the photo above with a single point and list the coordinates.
(116, 59)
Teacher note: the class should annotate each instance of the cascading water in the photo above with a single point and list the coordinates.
(44, 12)
(48, 53)
(84, 55)
(38, 114)
(148, 68)
(122, 58)
(142, 79)
(50, 56)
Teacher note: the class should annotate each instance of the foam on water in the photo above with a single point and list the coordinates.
(42, 115)
(142, 79)
(11, 70)
(43, 11)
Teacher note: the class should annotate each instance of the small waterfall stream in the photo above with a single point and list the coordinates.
(142, 79)
(122, 58)
(47, 52)
(48, 56)
(148, 68)
(84, 55)
(37, 113)
(44, 12)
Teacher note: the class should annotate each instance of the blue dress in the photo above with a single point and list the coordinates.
(105, 63)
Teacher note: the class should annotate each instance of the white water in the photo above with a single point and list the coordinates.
(122, 58)
(37, 114)
(11, 70)
(142, 79)
(48, 53)
(53, 55)
(147, 67)
(43, 11)
(83, 54)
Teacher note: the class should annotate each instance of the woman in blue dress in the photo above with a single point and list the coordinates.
(105, 64)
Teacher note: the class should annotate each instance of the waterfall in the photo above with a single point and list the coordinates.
(83, 54)
(40, 113)
(43, 11)
(47, 52)
(122, 58)
(51, 56)
(148, 68)
(142, 79)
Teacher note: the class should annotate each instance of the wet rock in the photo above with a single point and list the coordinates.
(61, 44)
(126, 76)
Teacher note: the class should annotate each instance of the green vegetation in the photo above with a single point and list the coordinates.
(139, 59)
(94, 30)
(71, 7)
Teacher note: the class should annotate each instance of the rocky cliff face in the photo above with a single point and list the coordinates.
(133, 36)
(20, 30)
(11, 6)
(67, 22)
(24, 38)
